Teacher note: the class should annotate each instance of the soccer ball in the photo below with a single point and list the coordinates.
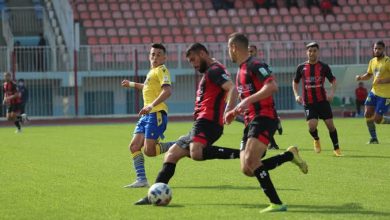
(160, 194)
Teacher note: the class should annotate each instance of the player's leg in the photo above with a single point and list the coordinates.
(382, 107)
(137, 156)
(12, 116)
(252, 166)
(272, 143)
(172, 157)
(312, 123)
(154, 130)
(369, 111)
(203, 135)
(326, 114)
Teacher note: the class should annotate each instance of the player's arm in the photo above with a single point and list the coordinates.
(363, 77)
(232, 95)
(129, 84)
(329, 75)
(164, 95)
(269, 88)
(295, 83)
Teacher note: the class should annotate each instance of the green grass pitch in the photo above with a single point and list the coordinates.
(77, 172)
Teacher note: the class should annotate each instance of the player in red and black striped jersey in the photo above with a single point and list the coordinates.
(255, 85)
(12, 101)
(315, 99)
(214, 89)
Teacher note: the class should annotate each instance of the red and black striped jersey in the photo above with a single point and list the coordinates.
(251, 77)
(210, 96)
(9, 89)
(313, 79)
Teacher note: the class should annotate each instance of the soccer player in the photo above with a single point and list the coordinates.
(378, 100)
(252, 50)
(12, 101)
(150, 127)
(255, 86)
(315, 99)
(23, 99)
(213, 90)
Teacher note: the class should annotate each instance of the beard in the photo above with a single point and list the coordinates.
(203, 66)
(378, 54)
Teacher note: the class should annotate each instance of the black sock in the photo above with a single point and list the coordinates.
(314, 134)
(335, 139)
(264, 179)
(19, 118)
(215, 152)
(17, 124)
(277, 160)
(166, 173)
(272, 141)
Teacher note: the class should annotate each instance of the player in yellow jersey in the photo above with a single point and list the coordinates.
(378, 100)
(151, 126)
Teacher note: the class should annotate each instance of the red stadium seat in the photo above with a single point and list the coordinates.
(114, 40)
(304, 11)
(135, 40)
(90, 32)
(144, 31)
(106, 15)
(82, 7)
(88, 23)
(112, 32)
(103, 40)
(168, 40)
(324, 27)
(347, 10)
(349, 35)
(125, 40)
(341, 18)
(334, 27)
(154, 31)
(360, 34)
(117, 15)
(250, 29)
(179, 39)
(84, 15)
(114, 7)
(103, 7)
(166, 6)
(108, 23)
(151, 22)
(122, 32)
(95, 15)
(100, 32)
(124, 6)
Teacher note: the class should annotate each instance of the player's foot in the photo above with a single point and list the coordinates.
(280, 128)
(338, 153)
(18, 131)
(373, 141)
(143, 201)
(297, 160)
(24, 118)
(274, 208)
(317, 146)
(273, 147)
(138, 184)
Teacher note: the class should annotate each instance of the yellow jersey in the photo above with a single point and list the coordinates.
(381, 70)
(155, 79)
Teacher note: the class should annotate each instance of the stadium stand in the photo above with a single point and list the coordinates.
(118, 22)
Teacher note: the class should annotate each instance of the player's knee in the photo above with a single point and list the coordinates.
(378, 120)
(171, 157)
(149, 152)
(134, 148)
(246, 170)
(196, 153)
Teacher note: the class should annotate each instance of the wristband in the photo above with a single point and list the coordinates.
(132, 84)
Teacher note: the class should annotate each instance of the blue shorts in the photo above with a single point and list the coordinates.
(152, 125)
(381, 104)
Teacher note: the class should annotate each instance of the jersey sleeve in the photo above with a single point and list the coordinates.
(164, 76)
(370, 69)
(298, 74)
(218, 76)
(262, 71)
(328, 73)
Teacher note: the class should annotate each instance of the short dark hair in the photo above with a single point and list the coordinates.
(21, 80)
(239, 39)
(312, 44)
(159, 46)
(254, 46)
(196, 47)
(380, 42)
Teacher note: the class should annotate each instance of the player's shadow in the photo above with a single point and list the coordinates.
(348, 208)
(230, 187)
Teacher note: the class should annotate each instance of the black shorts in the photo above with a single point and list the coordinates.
(14, 108)
(203, 131)
(261, 128)
(320, 110)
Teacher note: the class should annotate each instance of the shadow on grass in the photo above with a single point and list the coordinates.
(229, 187)
(347, 208)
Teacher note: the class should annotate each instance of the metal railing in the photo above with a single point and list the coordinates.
(101, 69)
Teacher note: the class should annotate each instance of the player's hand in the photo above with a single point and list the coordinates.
(380, 81)
(145, 110)
(230, 116)
(330, 97)
(126, 83)
(358, 77)
(242, 106)
(299, 99)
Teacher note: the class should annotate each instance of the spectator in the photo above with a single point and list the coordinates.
(335, 2)
(326, 7)
(41, 53)
(310, 3)
(291, 3)
(271, 4)
(361, 95)
(222, 4)
(259, 4)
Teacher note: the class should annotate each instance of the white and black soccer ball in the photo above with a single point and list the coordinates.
(160, 194)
